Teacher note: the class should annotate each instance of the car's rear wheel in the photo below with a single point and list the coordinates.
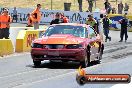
(36, 63)
(86, 62)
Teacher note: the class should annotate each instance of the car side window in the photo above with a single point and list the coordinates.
(92, 33)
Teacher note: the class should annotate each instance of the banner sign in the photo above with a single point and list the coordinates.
(115, 23)
(48, 15)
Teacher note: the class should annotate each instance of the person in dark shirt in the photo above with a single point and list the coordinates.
(80, 5)
(57, 19)
(123, 23)
(120, 7)
(90, 4)
(106, 5)
(109, 8)
(106, 24)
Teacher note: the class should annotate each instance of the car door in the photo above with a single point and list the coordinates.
(93, 43)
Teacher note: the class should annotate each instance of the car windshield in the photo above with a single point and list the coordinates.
(77, 31)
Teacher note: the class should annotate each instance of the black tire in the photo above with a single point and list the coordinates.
(86, 62)
(37, 63)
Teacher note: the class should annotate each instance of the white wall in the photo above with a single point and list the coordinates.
(14, 32)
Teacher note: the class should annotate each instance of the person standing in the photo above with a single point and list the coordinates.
(37, 13)
(92, 22)
(106, 5)
(5, 20)
(57, 19)
(100, 26)
(29, 21)
(80, 5)
(90, 3)
(120, 8)
(14, 14)
(109, 8)
(126, 8)
(64, 18)
(123, 31)
(106, 24)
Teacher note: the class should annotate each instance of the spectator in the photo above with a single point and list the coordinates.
(123, 23)
(100, 26)
(113, 10)
(57, 19)
(120, 8)
(90, 3)
(109, 8)
(30, 22)
(15, 14)
(92, 22)
(106, 24)
(64, 18)
(106, 5)
(37, 17)
(126, 8)
(5, 20)
(80, 5)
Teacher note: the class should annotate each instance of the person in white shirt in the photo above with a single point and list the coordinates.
(100, 26)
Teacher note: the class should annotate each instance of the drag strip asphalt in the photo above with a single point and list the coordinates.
(18, 71)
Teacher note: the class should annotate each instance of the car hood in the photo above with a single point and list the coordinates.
(60, 39)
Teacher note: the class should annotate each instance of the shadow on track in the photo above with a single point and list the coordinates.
(61, 65)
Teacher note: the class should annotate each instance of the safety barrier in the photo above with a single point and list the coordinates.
(24, 40)
(6, 47)
(20, 40)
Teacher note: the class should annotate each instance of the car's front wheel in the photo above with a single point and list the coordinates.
(36, 63)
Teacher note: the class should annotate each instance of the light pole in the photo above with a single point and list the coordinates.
(51, 4)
